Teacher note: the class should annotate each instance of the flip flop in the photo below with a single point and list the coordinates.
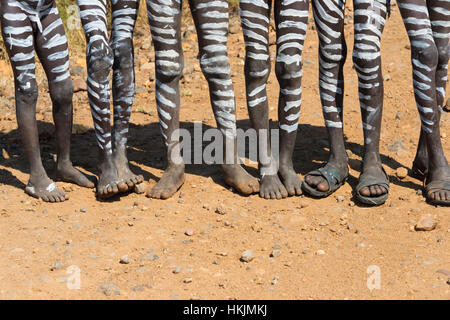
(367, 180)
(434, 186)
(417, 172)
(333, 176)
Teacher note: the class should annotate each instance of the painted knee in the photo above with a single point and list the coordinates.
(169, 68)
(215, 66)
(288, 70)
(123, 55)
(62, 92)
(335, 54)
(425, 55)
(100, 59)
(257, 71)
(443, 54)
(27, 93)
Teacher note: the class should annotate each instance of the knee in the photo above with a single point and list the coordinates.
(288, 70)
(170, 67)
(123, 54)
(62, 92)
(443, 54)
(366, 56)
(335, 54)
(426, 54)
(215, 66)
(257, 70)
(27, 92)
(100, 58)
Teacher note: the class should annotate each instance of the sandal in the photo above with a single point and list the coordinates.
(333, 176)
(367, 180)
(436, 186)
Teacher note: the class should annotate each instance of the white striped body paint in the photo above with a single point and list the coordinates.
(104, 54)
(211, 20)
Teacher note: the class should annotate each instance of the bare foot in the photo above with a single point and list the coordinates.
(67, 173)
(170, 182)
(272, 188)
(291, 181)
(109, 182)
(126, 175)
(235, 176)
(42, 187)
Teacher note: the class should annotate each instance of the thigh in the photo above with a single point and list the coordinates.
(51, 46)
(124, 15)
(439, 12)
(17, 31)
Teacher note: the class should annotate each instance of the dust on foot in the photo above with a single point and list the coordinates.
(67, 173)
(109, 184)
(45, 189)
(291, 181)
(172, 180)
(272, 188)
(236, 177)
(127, 176)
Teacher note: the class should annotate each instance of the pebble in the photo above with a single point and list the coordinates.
(176, 270)
(320, 252)
(401, 173)
(138, 288)
(79, 85)
(247, 256)
(83, 210)
(125, 260)
(426, 223)
(109, 288)
(139, 188)
(187, 280)
(221, 209)
(340, 198)
(189, 232)
(447, 106)
(58, 265)
(275, 253)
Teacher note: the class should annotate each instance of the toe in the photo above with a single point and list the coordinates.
(322, 187)
(45, 198)
(364, 191)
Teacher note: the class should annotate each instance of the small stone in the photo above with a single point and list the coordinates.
(139, 188)
(275, 280)
(426, 223)
(125, 260)
(275, 253)
(401, 173)
(138, 288)
(79, 85)
(189, 232)
(447, 106)
(247, 256)
(399, 116)
(221, 209)
(83, 210)
(58, 265)
(320, 252)
(387, 77)
(187, 280)
(176, 270)
(340, 198)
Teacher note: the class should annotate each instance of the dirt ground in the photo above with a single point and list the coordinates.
(303, 248)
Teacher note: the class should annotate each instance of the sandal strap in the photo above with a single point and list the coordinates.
(437, 185)
(332, 174)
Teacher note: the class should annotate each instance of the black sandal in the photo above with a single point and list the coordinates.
(434, 186)
(333, 176)
(367, 180)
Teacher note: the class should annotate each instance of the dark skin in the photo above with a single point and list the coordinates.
(368, 66)
(433, 56)
(40, 185)
(278, 177)
(211, 21)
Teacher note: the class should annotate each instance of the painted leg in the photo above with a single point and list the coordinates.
(425, 59)
(165, 25)
(329, 19)
(54, 56)
(17, 33)
(369, 23)
(292, 21)
(99, 63)
(255, 19)
(211, 21)
(124, 15)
